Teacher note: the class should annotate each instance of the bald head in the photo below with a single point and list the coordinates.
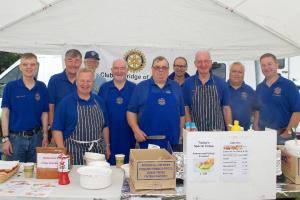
(202, 54)
(119, 62)
(203, 62)
(119, 70)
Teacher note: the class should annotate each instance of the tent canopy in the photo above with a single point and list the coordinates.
(229, 29)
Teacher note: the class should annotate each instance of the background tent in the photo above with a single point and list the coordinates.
(278, 17)
(230, 29)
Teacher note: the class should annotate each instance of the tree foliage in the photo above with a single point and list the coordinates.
(7, 59)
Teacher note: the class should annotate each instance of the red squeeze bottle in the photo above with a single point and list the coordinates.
(63, 169)
(63, 178)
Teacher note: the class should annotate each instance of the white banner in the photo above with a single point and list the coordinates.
(139, 60)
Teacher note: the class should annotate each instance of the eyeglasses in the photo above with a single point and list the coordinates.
(158, 68)
(203, 61)
(180, 66)
(119, 68)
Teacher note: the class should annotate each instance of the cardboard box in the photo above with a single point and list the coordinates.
(47, 160)
(152, 169)
(290, 165)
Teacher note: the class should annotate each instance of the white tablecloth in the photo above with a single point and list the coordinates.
(74, 191)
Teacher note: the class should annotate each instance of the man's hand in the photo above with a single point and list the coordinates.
(45, 141)
(7, 148)
(256, 127)
(286, 134)
(139, 135)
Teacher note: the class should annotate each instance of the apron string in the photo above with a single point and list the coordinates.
(93, 142)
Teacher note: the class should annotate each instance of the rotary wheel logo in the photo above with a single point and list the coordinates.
(135, 59)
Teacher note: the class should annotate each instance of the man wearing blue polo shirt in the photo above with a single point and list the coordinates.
(25, 113)
(116, 94)
(80, 121)
(242, 96)
(62, 84)
(179, 66)
(278, 99)
(207, 99)
(91, 61)
(156, 107)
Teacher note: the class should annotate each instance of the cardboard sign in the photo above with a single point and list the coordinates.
(152, 169)
(47, 160)
(290, 166)
(159, 170)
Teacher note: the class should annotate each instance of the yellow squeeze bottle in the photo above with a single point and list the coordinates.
(236, 126)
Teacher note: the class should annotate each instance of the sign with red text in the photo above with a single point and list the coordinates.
(47, 160)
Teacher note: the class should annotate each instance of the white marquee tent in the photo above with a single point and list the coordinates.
(230, 29)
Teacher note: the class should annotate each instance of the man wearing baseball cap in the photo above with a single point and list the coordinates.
(91, 61)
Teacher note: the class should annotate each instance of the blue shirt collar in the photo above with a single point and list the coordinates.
(65, 77)
(22, 84)
(242, 86)
(168, 82)
(77, 98)
(172, 75)
(196, 76)
(112, 85)
(280, 79)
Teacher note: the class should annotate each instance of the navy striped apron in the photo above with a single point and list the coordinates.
(206, 110)
(87, 135)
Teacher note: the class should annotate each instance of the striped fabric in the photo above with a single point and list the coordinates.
(87, 135)
(206, 111)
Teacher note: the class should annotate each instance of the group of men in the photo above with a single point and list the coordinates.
(112, 119)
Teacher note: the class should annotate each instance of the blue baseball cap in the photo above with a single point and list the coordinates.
(92, 55)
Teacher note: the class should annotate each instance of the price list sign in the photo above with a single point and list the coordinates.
(235, 160)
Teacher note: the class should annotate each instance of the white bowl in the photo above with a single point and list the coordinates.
(94, 156)
(293, 147)
(99, 164)
(90, 156)
(92, 177)
(125, 167)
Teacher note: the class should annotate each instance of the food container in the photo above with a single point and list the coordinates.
(28, 169)
(119, 160)
(92, 177)
(293, 147)
(90, 156)
(290, 166)
(152, 169)
(8, 169)
(125, 168)
(99, 164)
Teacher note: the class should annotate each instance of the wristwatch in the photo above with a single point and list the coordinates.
(5, 139)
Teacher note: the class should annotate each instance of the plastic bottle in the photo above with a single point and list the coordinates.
(63, 169)
(193, 127)
(188, 126)
(236, 126)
